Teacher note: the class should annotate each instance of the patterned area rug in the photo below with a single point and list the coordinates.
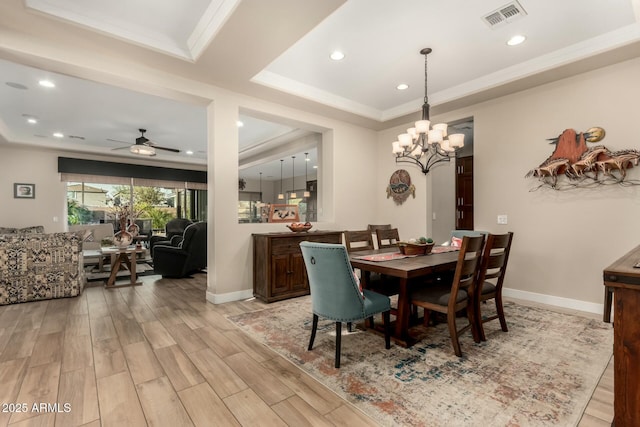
(92, 274)
(540, 373)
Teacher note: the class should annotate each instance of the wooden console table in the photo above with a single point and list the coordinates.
(624, 279)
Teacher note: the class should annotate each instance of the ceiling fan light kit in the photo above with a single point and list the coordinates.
(426, 145)
(142, 150)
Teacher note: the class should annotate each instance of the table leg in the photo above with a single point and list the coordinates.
(129, 261)
(401, 333)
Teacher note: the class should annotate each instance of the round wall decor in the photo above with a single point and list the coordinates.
(400, 187)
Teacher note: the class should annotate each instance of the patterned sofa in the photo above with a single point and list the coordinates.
(37, 266)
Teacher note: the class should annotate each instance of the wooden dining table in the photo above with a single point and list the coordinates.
(406, 269)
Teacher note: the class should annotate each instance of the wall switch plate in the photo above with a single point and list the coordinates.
(502, 219)
(433, 216)
(55, 219)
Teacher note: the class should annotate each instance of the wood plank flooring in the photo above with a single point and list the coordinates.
(159, 354)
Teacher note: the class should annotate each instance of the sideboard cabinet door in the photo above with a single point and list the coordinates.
(278, 267)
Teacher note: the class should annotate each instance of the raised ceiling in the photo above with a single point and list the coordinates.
(279, 50)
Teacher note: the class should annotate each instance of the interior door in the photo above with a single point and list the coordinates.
(464, 193)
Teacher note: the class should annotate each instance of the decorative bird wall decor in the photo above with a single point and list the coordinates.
(583, 166)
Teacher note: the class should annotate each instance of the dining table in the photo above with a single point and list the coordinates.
(409, 270)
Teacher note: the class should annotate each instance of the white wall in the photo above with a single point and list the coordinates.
(32, 167)
(563, 239)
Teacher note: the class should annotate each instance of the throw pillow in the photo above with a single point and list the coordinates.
(456, 242)
(8, 230)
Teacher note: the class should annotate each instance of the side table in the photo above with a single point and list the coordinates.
(122, 257)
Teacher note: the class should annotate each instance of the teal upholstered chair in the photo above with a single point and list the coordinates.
(335, 294)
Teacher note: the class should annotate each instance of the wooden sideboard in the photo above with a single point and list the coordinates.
(624, 279)
(278, 267)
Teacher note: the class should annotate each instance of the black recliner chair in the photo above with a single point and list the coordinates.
(174, 227)
(185, 256)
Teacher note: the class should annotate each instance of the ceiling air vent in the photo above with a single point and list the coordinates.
(505, 14)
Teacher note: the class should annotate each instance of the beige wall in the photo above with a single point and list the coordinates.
(32, 167)
(563, 239)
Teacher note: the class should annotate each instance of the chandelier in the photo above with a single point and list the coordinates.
(426, 145)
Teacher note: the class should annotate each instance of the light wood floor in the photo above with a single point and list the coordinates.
(158, 354)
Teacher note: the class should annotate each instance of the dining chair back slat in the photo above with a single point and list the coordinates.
(360, 240)
(387, 238)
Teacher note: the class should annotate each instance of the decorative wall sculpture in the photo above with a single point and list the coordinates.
(575, 165)
(400, 187)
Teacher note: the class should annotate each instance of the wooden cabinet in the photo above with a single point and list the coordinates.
(278, 267)
(624, 279)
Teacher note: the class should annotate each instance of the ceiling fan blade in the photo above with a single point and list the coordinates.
(173, 150)
(121, 148)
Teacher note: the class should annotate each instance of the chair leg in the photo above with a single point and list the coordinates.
(350, 327)
(338, 342)
(314, 328)
(500, 310)
(387, 329)
(451, 320)
(473, 321)
(479, 321)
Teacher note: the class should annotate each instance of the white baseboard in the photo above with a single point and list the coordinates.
(229, 297)
(573, 304)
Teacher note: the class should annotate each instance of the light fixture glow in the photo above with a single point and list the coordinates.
(516, 40)
(239, 124)
(293, 194)
(58, 135)
(306, 193)
(425, 144)
(189, 152)
(46, 83)
(32, 120)
(142, 150)
(336, 55)
(281, 195)
(402, 86)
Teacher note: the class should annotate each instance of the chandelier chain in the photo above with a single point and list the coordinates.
(426, 96)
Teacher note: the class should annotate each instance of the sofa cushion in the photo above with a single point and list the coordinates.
(33, 229)
(8, 230)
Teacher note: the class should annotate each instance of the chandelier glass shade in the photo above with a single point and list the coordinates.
(425, 144)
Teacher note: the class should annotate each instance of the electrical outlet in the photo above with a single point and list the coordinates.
(502, 219)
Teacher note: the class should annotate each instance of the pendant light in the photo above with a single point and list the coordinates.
(281, 196)
(293, 194)
(307, 193)
(259, 203)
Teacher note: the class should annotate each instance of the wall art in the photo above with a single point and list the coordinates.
(574, 164)
(400, 187)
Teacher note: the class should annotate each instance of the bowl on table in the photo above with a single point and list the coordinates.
(407, 248)
(298, 228)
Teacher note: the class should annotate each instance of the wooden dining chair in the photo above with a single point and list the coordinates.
(360, 240)
(388, 238)
(491, 278)
(449, 299)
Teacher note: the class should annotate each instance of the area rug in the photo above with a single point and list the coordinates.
(540, 373)
(142, 269)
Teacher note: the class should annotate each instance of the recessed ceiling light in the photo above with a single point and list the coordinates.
(516, 40)
(239, 124)
(189, 152)
(315, 167)
(46, 83)
(58, 134)
(402, 86)
(32, 120)
(16, 85)
(336, 55)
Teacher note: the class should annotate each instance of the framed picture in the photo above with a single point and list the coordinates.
(24, 191)
(284, 213)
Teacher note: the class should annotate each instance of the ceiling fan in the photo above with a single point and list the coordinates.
(144, 146)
